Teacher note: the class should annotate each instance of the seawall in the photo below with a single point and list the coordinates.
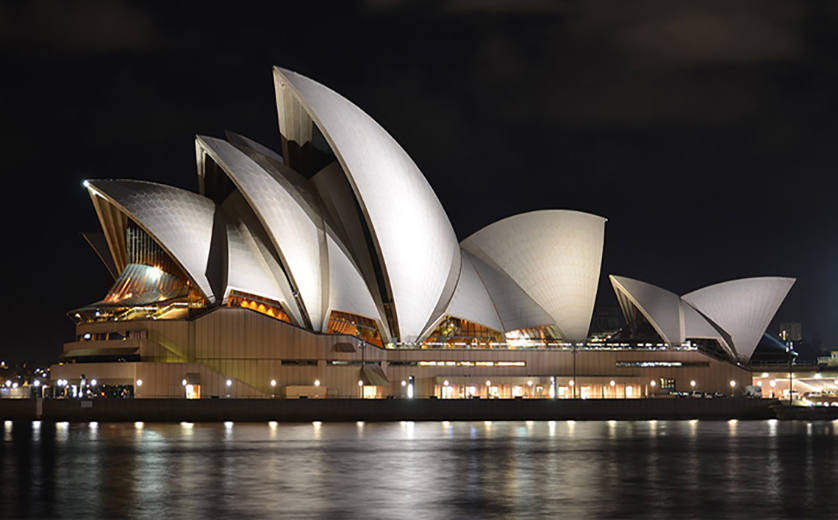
(337, 410)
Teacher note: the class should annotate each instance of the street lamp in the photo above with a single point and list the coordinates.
(732, 387)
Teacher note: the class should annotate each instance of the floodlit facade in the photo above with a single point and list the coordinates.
(330, 269)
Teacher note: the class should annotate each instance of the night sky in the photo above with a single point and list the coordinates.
(704, 131)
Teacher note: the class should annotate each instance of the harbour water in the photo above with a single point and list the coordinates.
(566, 469)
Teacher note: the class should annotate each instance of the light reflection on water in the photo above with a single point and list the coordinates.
(634, 469)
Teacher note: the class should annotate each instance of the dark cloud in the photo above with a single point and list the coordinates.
(70, 27)
(701, 39)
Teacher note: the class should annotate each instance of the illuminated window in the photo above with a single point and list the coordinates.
(455, 332)
(354, 325)
(667, 384)
(259, 304)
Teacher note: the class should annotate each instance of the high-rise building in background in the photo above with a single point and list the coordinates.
(791, 331)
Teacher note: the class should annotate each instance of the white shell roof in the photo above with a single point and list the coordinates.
(471, 299)
(416, 243)
(180, 221)
(254, 234)
(347, 290)
(554, 256)
(660, 307)
(744, 308)
(299, 240)
(247, 270)
(242, 141)
(696, 326)
(515, 308)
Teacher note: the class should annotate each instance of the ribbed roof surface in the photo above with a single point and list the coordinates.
(414, 238)
(554, 256)
(180, 221)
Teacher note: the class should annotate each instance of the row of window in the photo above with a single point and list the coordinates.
(112, 336)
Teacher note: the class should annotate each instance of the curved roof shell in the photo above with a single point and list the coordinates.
(516, 309)
(744, 308)
(416, 245)
(661, 308)
(554, 256)
(298, 238)
(247, 270)
(471, 299)
(180, 221)
(347, 290)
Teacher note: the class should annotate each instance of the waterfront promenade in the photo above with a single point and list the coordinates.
(341, 410)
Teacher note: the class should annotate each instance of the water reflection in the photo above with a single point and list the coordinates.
(643, 469)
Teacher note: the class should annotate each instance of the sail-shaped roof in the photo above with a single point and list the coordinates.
(554, 256)
(744, 308)
(297, 236)
(180, 221)
(412, 236)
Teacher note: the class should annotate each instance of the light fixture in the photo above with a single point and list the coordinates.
(445, 383)
(488, 383)
(92, 382)
(529, 383)
(139, 382)
(692, 384)
(183, 383)
(316, 382)
(229, 383)
(360, 383)
(404, 383)
(612, 383)
(273, 383)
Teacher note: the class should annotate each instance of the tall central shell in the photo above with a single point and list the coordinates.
(413, 238)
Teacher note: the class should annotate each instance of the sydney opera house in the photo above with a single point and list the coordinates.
(330, 269)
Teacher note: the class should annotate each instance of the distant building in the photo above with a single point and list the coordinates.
(791, 331)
